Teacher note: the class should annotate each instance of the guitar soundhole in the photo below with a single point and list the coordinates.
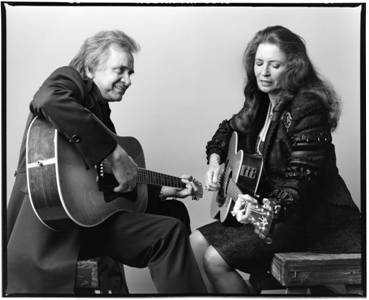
(224, 180)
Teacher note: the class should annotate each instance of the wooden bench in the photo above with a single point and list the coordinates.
(100, 275)
(305, 272)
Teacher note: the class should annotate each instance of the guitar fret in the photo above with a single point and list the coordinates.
(155, 178)
(159, 178)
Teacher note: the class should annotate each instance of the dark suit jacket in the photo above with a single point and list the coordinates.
(38, 259)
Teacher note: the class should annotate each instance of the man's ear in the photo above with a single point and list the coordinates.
(89, 73)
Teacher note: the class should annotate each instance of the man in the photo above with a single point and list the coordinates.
(74, 100)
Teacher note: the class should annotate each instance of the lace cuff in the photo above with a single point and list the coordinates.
(281, 200)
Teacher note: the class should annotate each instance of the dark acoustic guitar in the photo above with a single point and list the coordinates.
(241, 175)
(65, 194)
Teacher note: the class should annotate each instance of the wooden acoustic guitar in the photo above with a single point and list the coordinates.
(241, 175)
(65, 194)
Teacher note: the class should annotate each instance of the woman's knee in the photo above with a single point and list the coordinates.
(198, 242)
(214, 263)
(197, 239)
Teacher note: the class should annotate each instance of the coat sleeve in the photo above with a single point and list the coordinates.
(219, 143)
(312, 153)
(61, 100)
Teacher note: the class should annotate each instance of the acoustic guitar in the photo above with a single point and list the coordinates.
(241, 175)
(66, 194)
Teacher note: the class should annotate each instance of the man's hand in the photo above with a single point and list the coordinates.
(124, 169)
(241, 210)
(193, 188)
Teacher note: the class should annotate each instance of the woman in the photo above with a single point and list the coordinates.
(287, 119)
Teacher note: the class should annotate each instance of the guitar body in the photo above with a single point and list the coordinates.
(64, 193)
(243, 170)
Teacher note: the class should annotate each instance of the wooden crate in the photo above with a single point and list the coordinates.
(101, 275)
(87, 275)
(316, 269)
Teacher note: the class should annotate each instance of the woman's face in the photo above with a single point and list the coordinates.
(270, 63)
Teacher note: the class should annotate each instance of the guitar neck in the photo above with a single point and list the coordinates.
(155, 178)
(150, 177)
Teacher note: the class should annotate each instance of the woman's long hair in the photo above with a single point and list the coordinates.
(93, 50)
(299, 74)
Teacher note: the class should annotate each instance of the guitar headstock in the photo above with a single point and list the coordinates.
(261, 216)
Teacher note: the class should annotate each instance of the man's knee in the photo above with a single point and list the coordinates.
(168, 229)
(173, 234)
(178, 210)
(176, 228)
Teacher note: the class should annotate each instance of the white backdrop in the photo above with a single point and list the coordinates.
(188, 77)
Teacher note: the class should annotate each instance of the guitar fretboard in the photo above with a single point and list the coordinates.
(150, 177)
(155, 178)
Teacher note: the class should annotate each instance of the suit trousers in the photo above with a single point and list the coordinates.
(154, 240)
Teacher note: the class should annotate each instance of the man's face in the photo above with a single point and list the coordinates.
(113, 75)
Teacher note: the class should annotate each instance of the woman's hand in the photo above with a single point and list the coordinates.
(242, 208)
(193, 188)
(212, 177)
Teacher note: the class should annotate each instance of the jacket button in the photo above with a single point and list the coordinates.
(76, 138)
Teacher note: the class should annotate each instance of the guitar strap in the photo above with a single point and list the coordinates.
(263, 132)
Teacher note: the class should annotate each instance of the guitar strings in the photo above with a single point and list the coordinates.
(154, 177)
